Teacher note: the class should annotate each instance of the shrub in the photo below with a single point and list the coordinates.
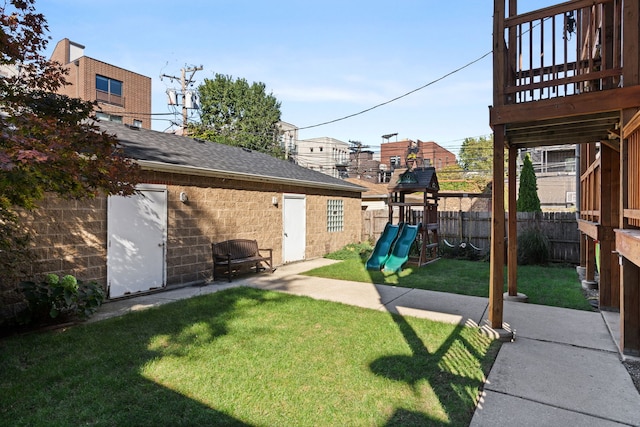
(56, 299)
(352, 250)
(533, 248)
(528, 200)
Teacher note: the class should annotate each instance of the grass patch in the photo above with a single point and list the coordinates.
(551, 285)
(246, 357)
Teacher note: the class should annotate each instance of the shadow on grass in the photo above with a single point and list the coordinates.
(438, 369)
(46, 381)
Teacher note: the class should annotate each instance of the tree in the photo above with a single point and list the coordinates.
(48, 142)
(528, 200)
(476, 155)
(232, 112)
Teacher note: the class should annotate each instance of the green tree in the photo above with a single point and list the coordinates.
(232, 112)
(528, 200)
(47, 143)
(476, 155)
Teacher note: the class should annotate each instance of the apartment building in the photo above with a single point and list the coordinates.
(393, 154)
(363, 166)
(122, 95)
(324, 154)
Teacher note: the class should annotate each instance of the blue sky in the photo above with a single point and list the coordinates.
(323, 60)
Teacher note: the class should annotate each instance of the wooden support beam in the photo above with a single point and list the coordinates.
(567, 106)
(496, 275)
(512, 258)
(609, 284)
(630, 309)
(591, 257)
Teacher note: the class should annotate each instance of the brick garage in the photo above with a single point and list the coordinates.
(225, 201)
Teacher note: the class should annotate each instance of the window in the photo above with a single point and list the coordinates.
(335, 215)
(394, 162)
(108, 117)
(137, 123)
(109, 90)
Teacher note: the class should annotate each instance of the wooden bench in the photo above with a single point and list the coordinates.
(231, 254)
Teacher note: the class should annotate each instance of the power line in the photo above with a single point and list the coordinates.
(401, 96)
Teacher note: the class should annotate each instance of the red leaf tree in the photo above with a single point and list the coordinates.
(48, 142)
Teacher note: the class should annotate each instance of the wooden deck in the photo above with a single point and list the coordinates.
(570, 74)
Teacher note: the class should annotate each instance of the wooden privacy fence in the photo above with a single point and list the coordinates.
(455, 227)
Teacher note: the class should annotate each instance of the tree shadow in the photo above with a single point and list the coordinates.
(442, 370)
(124, 396)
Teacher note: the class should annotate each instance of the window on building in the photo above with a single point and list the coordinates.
(394, 161)
(335, 215)
(109, 90)
(109, 117)
(311, 149)
(137, 123)
(321, 149)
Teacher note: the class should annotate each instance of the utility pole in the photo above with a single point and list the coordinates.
(184, 84)
(356, 149)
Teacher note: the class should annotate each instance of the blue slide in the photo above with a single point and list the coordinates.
(383, 246)
(400, 252)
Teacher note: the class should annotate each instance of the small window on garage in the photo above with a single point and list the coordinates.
(335, 215)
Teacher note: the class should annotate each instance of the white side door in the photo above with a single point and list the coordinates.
(137, 235)
(295, 227)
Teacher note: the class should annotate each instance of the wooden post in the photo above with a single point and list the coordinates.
(582, 204)
(590, 272)
(630, 272)
(512, 258)
(496, 276)
(630, 309)
(609, 284)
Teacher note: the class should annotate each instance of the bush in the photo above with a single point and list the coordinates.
(352, 250)
(533, 248)
(56, 299)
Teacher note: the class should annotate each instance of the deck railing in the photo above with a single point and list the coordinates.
(590, 182)
(632, 208)
(566, 49)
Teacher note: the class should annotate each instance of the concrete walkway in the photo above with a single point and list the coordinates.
(563, 368)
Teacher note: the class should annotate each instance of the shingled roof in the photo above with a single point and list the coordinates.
(167, 152)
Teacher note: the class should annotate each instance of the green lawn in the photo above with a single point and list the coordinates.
(546, 285)
(246, 357)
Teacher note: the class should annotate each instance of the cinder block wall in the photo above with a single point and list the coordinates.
(70, 237)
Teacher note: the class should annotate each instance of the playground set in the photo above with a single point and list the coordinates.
(414, 239)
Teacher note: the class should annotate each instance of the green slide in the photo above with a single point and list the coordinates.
(400, 252)
(383, 246)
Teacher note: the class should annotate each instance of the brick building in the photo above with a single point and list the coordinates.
(393, 154)
(363, 166)
(123, 96)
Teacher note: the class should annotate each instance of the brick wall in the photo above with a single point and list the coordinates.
(136, 88)
(71, 236)
(430, 152)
